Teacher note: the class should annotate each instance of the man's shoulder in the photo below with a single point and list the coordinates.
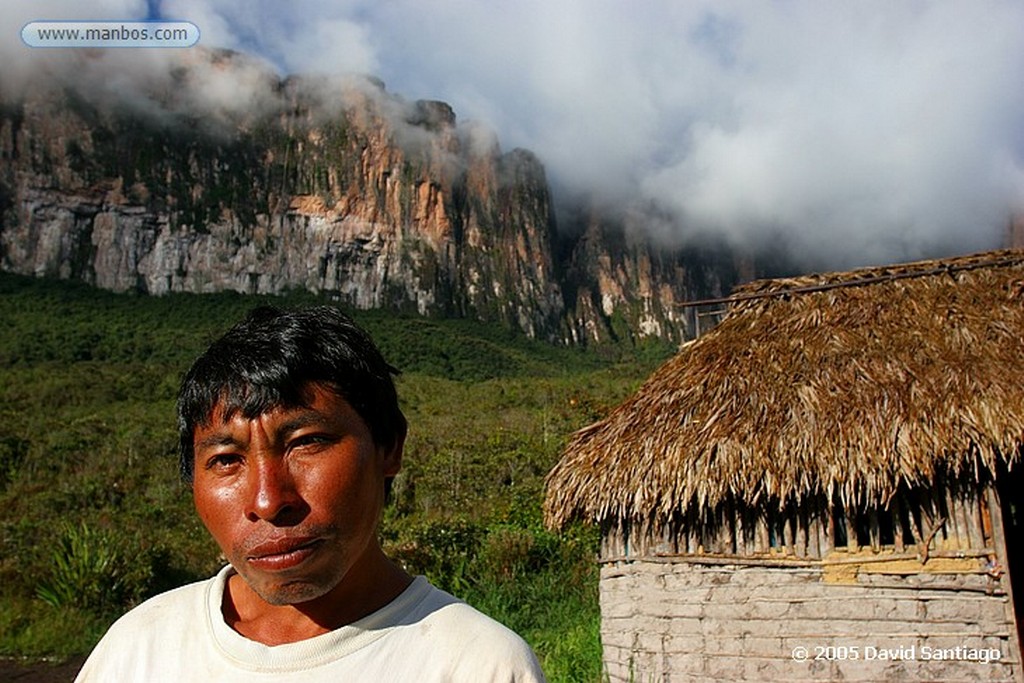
(151, 636)
(441, 607)
(165, 609)
(424, 600)
(466, 638)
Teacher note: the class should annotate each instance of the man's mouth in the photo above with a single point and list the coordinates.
(279, 554)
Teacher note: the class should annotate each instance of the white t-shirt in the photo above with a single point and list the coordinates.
(424, 634)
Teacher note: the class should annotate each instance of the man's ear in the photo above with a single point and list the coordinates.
(393, 457)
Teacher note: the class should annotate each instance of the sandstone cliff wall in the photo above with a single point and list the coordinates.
(333, 187)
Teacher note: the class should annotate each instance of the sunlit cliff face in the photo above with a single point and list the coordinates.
(380, 201)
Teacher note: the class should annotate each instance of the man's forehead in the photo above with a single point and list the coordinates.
(313, 399)
(252, 401)
(225, 411)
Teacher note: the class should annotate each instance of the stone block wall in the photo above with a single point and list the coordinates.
(686, 621)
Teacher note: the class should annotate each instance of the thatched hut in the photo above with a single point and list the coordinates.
(824, 486)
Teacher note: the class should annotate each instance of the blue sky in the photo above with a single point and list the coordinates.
(874, 130)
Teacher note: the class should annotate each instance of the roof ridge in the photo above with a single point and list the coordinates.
(773, 287)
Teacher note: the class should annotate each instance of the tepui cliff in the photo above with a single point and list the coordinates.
(328, 185)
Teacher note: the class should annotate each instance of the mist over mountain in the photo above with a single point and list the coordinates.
(205, 171)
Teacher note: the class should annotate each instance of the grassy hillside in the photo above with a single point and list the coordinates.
(95, 520)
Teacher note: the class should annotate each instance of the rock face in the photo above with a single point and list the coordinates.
(331, 187)
(622, 283)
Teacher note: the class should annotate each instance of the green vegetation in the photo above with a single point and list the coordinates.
(95, 518)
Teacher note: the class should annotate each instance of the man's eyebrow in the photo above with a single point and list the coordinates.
(219, 439)
(305, 419)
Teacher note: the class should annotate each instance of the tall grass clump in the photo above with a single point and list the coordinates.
(89, 571)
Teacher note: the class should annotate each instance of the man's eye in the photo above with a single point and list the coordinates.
(223, 461)
(309, 440)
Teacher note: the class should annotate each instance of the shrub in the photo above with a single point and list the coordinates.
(90, 571)
(443, 551)
(507, 554)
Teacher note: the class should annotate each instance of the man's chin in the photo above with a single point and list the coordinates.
(284, 589)
(288, 593)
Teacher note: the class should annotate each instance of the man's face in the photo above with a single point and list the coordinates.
(292, 497)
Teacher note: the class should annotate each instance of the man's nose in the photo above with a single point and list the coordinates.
(273, 495)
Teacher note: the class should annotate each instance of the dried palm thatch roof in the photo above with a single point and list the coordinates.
(844, 384)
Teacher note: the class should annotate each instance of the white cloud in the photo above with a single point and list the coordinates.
(877, 130)
(299, 36)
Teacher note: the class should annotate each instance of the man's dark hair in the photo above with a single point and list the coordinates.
(271, 359)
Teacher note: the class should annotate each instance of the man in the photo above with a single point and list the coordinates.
(290, 434)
